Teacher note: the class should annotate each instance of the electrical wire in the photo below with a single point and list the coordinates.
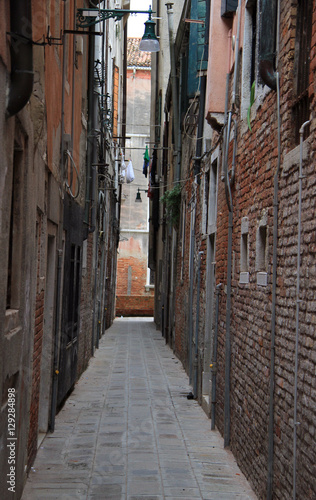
(69, 186)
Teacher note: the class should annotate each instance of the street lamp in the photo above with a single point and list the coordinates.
(90, 17)
(138, 196)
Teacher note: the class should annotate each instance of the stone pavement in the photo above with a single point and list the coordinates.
(129, 432)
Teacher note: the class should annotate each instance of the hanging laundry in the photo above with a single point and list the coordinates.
(130, 172)
(150, 192)
(153, 170)
(123, 168)
(146, 162)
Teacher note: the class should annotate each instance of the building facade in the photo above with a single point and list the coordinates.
(61, 95)
(135, 288)
(235, 292)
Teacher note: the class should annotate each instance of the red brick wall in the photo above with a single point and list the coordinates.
(139, 301)
(134, 305)
(251, 306)
(37, 353)
(138, 276)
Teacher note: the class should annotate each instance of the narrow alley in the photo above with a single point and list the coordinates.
(129, 432)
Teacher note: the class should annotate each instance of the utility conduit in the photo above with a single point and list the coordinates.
(297, 329)
(230, 243)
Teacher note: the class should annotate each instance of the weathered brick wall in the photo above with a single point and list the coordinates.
(286, 310)
(133, 300)
(251, 303)
(134, 305)
(138, 272)
(37, 349)
(182, 287)
(86, 306)
(251, 307)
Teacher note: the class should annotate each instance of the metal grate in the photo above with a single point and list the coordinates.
(301, 115)
(301, 107)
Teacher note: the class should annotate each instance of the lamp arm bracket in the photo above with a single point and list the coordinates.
(84, 21)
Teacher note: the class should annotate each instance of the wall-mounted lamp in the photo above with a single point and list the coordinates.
(138, 196)
(90, 17)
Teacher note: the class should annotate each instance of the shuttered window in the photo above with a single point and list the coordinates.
(198, 46)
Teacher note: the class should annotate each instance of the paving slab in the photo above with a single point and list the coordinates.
(128, 431)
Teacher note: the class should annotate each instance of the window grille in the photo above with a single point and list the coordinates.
(301, 106)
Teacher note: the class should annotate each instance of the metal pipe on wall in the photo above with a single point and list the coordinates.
(295, 422)
(274, 267)
(213, 365)
(273, 307)
(22, 75)
(191, 278)
(229, 200)
(195, 387)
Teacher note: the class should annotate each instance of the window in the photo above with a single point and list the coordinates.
(15, 243)
(253, 14)
(262, 252)
(301, 108)
(211, 216)
(205, 204)
(182, 237)
(198, 51)
(250, 55)
(244, 251)
(152, 277)
(261, 248)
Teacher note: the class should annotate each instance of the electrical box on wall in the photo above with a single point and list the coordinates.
(228, 7)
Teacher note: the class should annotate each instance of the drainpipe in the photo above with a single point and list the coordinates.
(56, 343)
(92, 142)
(273, 307)
(227, 336)
(213, 366)
(267, 38)
(21, 83)
(295, 422)
(229, 201)
(191, 278)
(195, 389)
(274, 270)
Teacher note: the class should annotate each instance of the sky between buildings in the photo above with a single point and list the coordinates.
(135, 28)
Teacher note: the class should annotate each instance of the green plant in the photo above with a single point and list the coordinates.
(252, 100)
(172, 201)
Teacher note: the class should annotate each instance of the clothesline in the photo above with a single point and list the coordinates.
(127, 147)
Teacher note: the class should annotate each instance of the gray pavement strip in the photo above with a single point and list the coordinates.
(128, 431)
